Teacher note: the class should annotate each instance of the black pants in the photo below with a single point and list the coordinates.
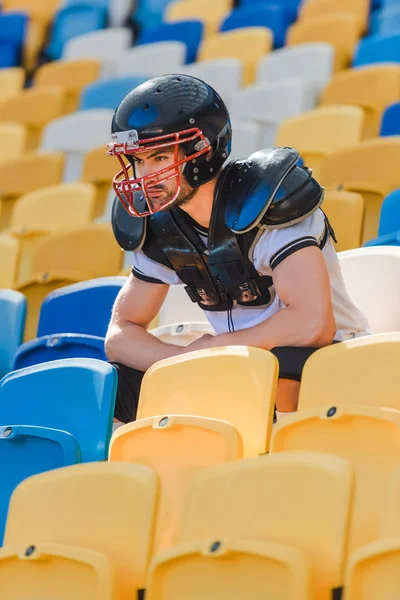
(291, 362)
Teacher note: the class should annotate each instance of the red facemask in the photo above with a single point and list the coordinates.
(125, 186)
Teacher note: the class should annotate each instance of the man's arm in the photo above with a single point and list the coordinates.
(127, 340)
(302, 283)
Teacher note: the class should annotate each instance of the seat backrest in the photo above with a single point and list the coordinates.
(13, 138)
(223, 74)
(297, 499)
(321, 8)
(12, 319)
(345, 211)
(98, 168)
(390, 124)
(390, 214)
(272, 16)
(41, 11)
(189, 33)
(9, 251)
(151, 60)
(246, 138)
(372, 279)
(377, 49)
(46, 570)
(109, 93)
(212, 13)
(80, 308)
(13, 27)
(176, 447)
(389, 20)
(11, 82)
(107, 507)
(245, 397)
(366, 436)
(231, 568)
(85, 390)
(40, 170)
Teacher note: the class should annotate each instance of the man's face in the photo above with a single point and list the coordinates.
(148, 163)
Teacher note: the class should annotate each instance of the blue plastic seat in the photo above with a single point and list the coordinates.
(290, 6)
(272, 16)
(12, 323)
(13, 29)
(149, 13)
(72, 21)
(108, 94)
(388, 22)
(76, 395)
(390, 124)
(389, 222)
(189, 32)
(377, 49)
(97, 3)
(26, 451)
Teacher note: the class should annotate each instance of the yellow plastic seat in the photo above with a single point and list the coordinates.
(298, 499)
(29, 172)
(105, 507)
(370, 168)
(317, 133)
(245, 397)
(70, 75)
(44, 571)
(9, 260)
(373, 571)
(12, 140)
(34, 108)
(233, 569)
(39, 10)
(248, 44)
(345, 211)
(99, 169)
(341, 30)
(340, 371)
(372, 88)
(366, 436)
(321, 8)
(11, 83)
(175, 447)
(209, 11)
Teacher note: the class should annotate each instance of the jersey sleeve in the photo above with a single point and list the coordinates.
(148, 270)
(276, 245)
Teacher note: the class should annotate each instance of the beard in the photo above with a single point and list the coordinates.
(185, 195)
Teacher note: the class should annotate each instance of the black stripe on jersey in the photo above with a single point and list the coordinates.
(291, 248)
(144, 277)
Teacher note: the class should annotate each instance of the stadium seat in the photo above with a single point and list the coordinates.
(178, 307)
(182, 334)
(9, 253)
(46, 570)
(246, 138)
(67, 395)
(389, 222)
(368, 437)
(189, 33)
(317, 133)
(372, 280)
(210, 12)
(26, 451)
(41, 11)
(272, 16)
(370, 168)
(345, 211)
(340, 30)
(40, 170)
(71, 21)
(109, 93)
(390, 124)
(68, 257)
(176, 447)
(107, 507)
(71, 75)
(372, 88)
(388, 21)
(321, 8)
(76, 134)
(11, 82)
(290, 5)
(248, 44)
(99, 169)
(390, 516)
(223, 74)
(373, 571)
(149, 13)
(231, 569)
(294, 61)
(12, 319)
(34, 108)
(150, 60)
(13, 27)
(13, 137)
(269, 104)
(245, 398)
(118, 10)
(295, 489)
(104, 46)
(377, 49)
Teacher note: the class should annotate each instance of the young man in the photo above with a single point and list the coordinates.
(248, 240)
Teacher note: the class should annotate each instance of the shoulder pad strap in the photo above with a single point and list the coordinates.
(129, 231)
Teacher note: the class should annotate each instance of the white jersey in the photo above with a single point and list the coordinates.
(271, 248)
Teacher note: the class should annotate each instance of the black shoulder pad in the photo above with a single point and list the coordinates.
(129, 231)
(268, 188)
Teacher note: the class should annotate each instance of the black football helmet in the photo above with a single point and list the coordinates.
(177, 111)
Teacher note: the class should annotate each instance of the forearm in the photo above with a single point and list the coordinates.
(135, 347)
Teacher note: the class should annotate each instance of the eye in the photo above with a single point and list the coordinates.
(161, 157)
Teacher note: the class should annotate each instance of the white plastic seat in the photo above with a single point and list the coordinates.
(151, 60)
(119, 11)
(76, 134)
(181, 334)
(104, 45)
(246, 138)
(372, 278)
(269, 104)
(223, 74)
(311, 62)
(178, 308)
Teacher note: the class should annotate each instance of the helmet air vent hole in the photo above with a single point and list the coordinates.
(146, 107)
(159, 91)
(178, 79)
